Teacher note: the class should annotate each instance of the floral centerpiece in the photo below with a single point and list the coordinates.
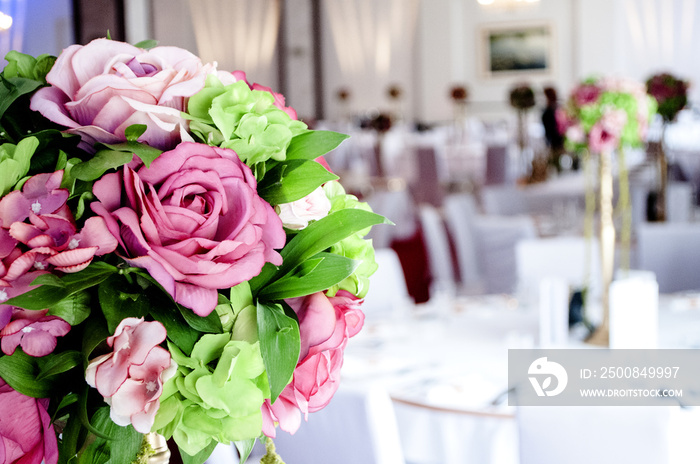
(603, 116)
(670, 93)
(175, 257)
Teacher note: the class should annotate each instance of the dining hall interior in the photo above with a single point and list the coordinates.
(465, 131)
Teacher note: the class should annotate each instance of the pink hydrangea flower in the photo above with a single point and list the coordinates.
(131, 377)
(50, 239)
(41, 194)
(26, 433)
(34, 331)
(297, 214)
(325, 324)
(194, 220)
(99, 89)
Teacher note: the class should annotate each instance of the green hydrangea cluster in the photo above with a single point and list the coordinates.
(219, 388)
(244, 120)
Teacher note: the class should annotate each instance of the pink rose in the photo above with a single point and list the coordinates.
(34, 331)
(99, 89)
(131, 377)
(325, 324)
(605, 134)
(26, 433)
(194, 220)
(297, 214)
(586, 93)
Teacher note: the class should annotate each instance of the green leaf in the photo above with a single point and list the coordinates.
(147, 44)
(179, 332)
(94, 334)
(244, 447)
(14, 88)
(143, 151)
(101, 162)
(47, 296)
(133, 132)
(73, 309)
(318, 237)
(19, 371)
(119, 300)
(311, 276)
(58, 363)
(312, 144)
(280, 345)
(200, 457)
(123, 446)
(291, 180)
(208, 324)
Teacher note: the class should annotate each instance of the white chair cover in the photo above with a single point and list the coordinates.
(601, 435)
(672, 252)
(495, 239)
(388, 295)
(460, 213)
(357, 426)
(438, 249)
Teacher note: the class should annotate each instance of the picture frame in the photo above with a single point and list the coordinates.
(513, 49)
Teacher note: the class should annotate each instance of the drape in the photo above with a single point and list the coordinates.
(237, 34)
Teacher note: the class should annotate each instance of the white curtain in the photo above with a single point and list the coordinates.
(238, 34)
(370, 35)
(661, 36)
(11, 39)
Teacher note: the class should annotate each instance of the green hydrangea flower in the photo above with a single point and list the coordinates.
(354, 247)
(244, 120)
(14, 162)
(216, 394)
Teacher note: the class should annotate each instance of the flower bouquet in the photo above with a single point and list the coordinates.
(175, 257)
(670, 93)
(603, 116)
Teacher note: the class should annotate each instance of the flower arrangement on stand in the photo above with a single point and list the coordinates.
(175, 257)
(602, 117)
(671, 95)
(522, 98)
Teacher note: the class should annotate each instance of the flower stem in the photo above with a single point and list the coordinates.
(271, 456)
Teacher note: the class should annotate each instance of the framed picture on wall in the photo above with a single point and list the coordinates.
(508, 49)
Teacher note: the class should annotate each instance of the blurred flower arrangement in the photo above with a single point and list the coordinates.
(603, 116)
(522, 97)
(670, 93)
(175, 257)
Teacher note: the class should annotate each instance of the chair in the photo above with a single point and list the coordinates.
(496, 238)
(672, 252)
(388, 294)
(357, 426)
(438, 249)
(603, 434)
(460, 213)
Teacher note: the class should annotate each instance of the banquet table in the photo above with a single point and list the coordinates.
(445, 367)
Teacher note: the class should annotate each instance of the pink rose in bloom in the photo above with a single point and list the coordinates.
(297, 214)
(194, 220)
(586, 93)
(325, 324)
(605, 134)
(26, 433)
(34, 331)
(131, 377)
(99, 89)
